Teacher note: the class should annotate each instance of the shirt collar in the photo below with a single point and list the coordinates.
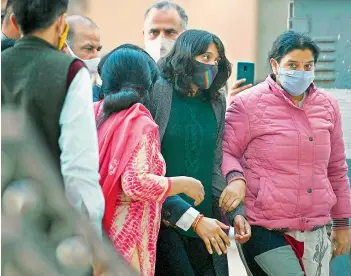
(3, 36)
(299, 104)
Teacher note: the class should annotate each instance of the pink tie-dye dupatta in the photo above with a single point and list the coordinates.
(118, 137)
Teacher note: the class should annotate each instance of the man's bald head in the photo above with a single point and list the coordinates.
(83, 37)
(78, 20)
(8, 26)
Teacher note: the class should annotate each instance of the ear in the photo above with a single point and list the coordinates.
(62, 24)
(274, 66)
(14, 23)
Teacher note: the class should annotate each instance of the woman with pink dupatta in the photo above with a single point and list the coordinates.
(132, 168)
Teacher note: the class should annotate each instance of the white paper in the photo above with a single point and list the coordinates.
(231, 233)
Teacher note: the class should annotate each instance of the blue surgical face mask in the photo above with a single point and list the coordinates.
(295, 82)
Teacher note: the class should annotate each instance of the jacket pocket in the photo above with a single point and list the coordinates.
(332, 196)
(260, 202)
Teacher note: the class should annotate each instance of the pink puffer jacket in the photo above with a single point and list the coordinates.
(293, 158)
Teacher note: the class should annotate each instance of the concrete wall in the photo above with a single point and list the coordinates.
(272, 21)
(78, 7)
(246, 27)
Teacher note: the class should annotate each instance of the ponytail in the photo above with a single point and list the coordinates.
(124, 99)
(116, 102)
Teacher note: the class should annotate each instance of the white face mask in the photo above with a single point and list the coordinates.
(159, 47)
(91, 64)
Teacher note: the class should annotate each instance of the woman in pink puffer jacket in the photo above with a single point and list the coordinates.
(285, 136)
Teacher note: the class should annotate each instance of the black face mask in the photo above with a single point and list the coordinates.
(204, 74)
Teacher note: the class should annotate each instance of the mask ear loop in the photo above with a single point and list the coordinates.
(278, 67)
(63, 37)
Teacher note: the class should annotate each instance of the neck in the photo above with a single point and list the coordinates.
(296, 99)
(46, 35)
(7, 32)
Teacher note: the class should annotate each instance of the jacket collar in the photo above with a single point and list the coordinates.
(33, 41)
(281, 93)
(3, 36)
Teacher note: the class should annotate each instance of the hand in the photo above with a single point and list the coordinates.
(210, 231)
(242, 229)
(189, 186)
(194, 189)
(237, 89)
(232, 195)
(341, 239)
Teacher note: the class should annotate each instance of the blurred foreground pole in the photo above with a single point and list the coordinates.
(41, 233)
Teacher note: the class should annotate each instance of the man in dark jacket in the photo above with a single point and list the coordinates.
(55, 91)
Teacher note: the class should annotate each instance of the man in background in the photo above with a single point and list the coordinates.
(83, 42)
(9, 28)
(163, 23)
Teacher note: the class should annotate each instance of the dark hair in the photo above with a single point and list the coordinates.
(155, 73)
(34, 15)
(178, 66)
(166, 5)
(290, 41)
(126, 78)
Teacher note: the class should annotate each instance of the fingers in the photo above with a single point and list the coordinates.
(234, 204)
(199, 198)
(237, 89)
(341, 250)
(242, 88)
(243, 229)
(224, 237)
(208, 245)
(227, 202)
(237, 83)
(224, 193)
(344, 251)
(242, 239)
(222, 246)
(216, 246)
(202, 187)
(338, 250)
(241, 226)
(222, 225)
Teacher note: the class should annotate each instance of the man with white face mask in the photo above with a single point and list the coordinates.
(83, 42)
(163, 24)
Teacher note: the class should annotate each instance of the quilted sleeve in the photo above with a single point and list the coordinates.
(337, 170)
(143, 179)
(236, 136)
